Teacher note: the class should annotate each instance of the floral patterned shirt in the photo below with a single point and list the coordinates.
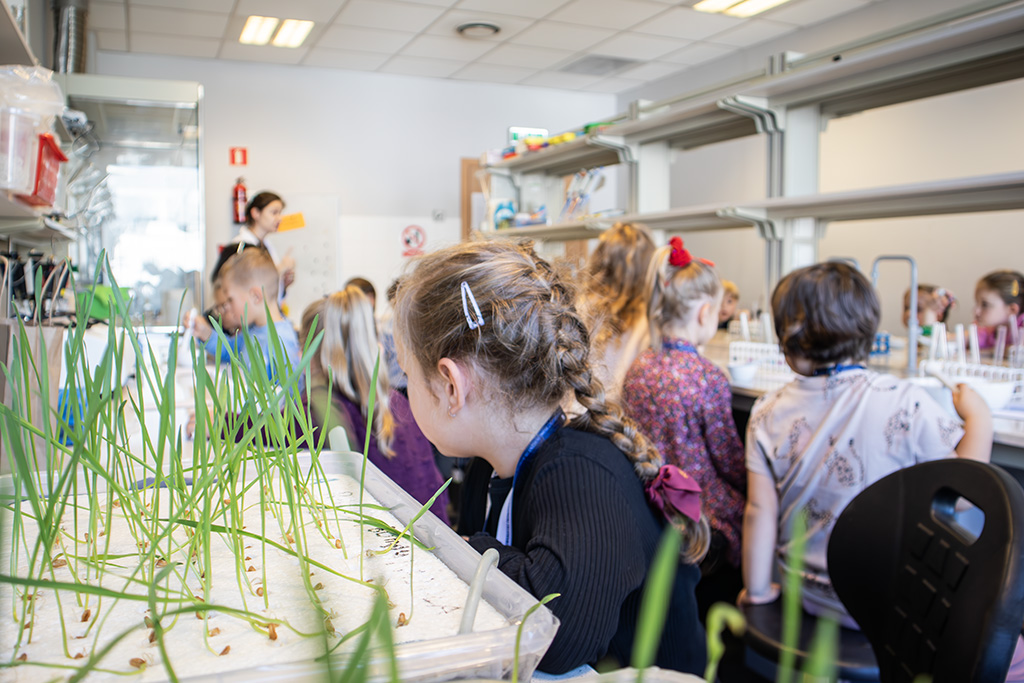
(683, 404)
(824, 439)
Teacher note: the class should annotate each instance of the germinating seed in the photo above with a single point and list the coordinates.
(225, 651)
(86, 614)
(137, 662)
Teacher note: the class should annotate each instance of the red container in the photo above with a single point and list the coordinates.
(47, 164)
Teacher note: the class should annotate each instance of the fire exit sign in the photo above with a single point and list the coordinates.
(239, 156)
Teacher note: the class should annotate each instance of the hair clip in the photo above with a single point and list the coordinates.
(1015, 288)
(467, 299)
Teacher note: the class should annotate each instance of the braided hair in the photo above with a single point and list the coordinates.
(532, 350)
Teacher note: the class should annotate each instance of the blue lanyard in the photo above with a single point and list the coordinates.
(553, 424)
(678, 345)
(549, 428)
(835, 370)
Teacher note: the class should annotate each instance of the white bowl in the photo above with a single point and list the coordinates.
(743, 374)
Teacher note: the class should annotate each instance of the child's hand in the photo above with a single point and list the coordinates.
(969, 404)
(744, 598)
(201, 328)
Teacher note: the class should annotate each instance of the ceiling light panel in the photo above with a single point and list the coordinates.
(751, 7)
(258, 30)
(714, 5)
(292, 33)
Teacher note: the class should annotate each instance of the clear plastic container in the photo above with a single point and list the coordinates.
(19, 148)
(485, 654)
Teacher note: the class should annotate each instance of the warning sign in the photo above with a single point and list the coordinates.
(239, 156)
(414, 238)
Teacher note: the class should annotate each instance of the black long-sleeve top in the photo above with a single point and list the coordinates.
(582, 527)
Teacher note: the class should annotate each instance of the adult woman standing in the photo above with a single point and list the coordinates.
(262, 217)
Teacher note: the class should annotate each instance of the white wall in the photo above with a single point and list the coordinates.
(385, 145)
(974, 132)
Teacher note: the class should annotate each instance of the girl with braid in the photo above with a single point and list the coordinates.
(683, 403)
(493, 347)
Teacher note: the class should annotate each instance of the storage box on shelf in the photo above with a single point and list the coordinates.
(978, 48)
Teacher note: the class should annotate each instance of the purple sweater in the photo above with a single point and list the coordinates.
(412, 467)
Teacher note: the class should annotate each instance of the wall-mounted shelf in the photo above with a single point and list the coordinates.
(588, 151)
(999, 192)
(561, 232)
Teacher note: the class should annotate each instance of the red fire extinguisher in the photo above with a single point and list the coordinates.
(239, 200)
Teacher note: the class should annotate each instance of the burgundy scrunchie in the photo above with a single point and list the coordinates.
(674, 491)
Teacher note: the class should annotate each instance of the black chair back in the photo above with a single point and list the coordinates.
(930, 599)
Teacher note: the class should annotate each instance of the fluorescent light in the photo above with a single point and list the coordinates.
(752, 7)
(258, 30)
(292, 33)
(714, 5)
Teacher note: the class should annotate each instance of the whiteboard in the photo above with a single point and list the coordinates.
(314, 248)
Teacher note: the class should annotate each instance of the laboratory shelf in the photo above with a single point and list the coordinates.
(560, 232)
(999, 192)
(694, 123)
(588, 151)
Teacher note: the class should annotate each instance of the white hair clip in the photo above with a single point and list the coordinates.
(467, 299)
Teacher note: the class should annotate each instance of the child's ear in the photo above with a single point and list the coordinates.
(256, 295)
(456, 384)
(1014, 308)
(706, 309)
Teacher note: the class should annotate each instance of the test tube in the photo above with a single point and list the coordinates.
(939, 330)
(972, 337)
(961, 347)
(1014, 332)
(766, 328)
(997, 353)
(744, 326)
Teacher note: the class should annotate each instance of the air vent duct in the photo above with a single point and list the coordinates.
(69, 35)
(598, 65)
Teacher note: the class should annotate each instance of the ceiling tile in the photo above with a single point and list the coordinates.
(437, 47)
(385, 14)
(533, 9)
(528, 57)
(651, 71)
(752, 32)
(682, 22)
(509, 25)
(491, 73)
(178, 46)
(556, 79)
(617, 14)
(171, 22)
(561, 36)
(613, 85)
(636, 46)
(320, 11)
(344, 59)
(215, 6)
(363, 39)
(808, 12)
(107, 15)
(697, 53)
(262, 53)
(111, 40)
(419, 66)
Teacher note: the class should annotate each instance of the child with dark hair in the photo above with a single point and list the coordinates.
(682, 402)
(998, 297)
(837, 428)
(490, 339)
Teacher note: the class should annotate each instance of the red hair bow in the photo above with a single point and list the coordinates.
(680, 257)
(674, 492)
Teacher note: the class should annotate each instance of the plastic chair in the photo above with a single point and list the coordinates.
(930, 599)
